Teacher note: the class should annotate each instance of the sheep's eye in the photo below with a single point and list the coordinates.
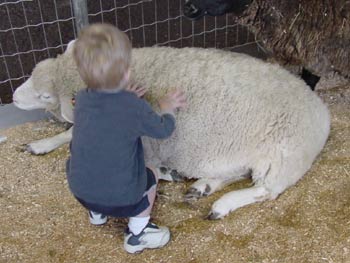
(44, 96)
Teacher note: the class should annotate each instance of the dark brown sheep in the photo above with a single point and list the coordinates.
(314, 34)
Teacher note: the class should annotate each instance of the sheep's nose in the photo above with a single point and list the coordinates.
(190, 10)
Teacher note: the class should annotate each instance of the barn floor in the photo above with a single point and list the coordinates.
(41, 222)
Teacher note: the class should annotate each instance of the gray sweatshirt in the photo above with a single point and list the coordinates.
(107, 164)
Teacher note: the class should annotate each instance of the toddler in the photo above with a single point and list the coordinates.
(106, 171)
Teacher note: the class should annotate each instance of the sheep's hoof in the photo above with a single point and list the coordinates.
(170, 175)
(25, 148)
(21, 148)
(67, 125)
(207, 190)
(34, 151)
(213, 216)
(28, 148)
(192, 194)
(177, 177)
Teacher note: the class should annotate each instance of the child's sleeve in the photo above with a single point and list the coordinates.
(155, 125)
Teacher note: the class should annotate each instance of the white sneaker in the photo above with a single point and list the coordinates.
(97, 218)
(152, 236)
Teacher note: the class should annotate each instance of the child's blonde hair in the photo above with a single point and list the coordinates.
(102, 54)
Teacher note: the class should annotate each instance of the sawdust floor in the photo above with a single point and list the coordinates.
(40, 221)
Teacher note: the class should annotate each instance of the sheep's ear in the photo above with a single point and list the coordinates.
(70, 46)
(66, 108)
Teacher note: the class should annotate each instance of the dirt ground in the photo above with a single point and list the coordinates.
(310, 222)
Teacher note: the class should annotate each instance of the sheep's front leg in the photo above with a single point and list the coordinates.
(49, 144)
(169, 175)
(207, 186)
(236, 199)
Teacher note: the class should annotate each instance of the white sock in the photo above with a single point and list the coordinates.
(137, 224)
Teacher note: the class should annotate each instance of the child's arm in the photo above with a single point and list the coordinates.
(156, 126)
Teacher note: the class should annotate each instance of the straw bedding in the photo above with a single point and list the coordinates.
(310, 222)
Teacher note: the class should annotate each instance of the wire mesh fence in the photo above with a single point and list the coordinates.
(31, 31)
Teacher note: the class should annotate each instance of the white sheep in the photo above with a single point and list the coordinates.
(244, 118)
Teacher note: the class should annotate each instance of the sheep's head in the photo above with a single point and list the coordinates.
(38, 92)
(195, 9)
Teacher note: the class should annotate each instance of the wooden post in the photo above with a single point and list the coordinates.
(80, 13)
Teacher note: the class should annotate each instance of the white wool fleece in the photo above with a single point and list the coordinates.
(242, 112)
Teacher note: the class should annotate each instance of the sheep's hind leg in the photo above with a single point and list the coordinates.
(239, 198)
(236, 199)
(207, 186)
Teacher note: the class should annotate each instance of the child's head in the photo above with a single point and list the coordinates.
(102, 54)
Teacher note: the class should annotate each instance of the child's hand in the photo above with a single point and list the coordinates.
(172, 101)
(134, 88)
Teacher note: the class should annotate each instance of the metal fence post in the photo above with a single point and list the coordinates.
(80, 13)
